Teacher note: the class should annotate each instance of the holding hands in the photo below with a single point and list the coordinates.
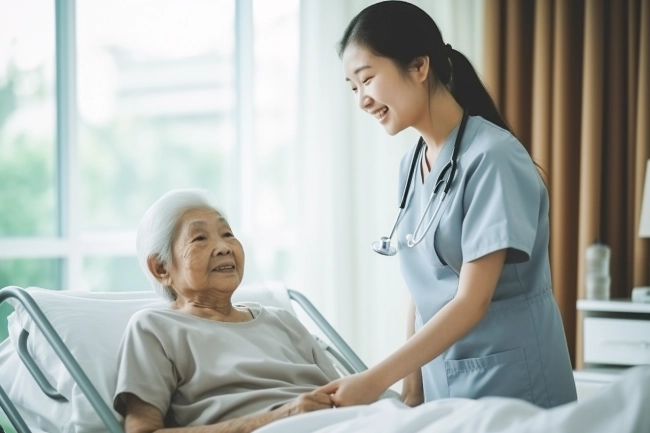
(308, 402)
(360, 388)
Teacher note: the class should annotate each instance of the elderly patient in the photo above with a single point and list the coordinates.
(204, 361)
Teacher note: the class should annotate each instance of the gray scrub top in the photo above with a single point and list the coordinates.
(497, 201)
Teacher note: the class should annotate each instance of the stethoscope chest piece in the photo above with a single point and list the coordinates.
(384, 247)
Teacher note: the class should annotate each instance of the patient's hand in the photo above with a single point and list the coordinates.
(307, 402)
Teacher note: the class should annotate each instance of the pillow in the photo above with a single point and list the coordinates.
(24, 393)
(91, 325)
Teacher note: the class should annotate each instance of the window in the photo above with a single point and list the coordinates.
(156, 105)
(104, 106)
(28, 192)
(276, 102)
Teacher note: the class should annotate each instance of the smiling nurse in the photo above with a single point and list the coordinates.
(473, 230)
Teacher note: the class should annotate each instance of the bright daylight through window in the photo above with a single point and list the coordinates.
(104, 106)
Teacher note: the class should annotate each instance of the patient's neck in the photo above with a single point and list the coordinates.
(215, 308)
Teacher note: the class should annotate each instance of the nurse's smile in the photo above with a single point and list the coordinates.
(379, 114)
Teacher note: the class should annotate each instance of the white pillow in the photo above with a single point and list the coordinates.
(24, 393)
(91, 325)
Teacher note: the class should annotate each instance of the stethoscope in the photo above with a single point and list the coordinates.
(445, 178)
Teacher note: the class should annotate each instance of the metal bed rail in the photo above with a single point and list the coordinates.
(73, 367)
(343, 353)
(351, 358)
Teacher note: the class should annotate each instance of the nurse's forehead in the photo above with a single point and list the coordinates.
(357, 59)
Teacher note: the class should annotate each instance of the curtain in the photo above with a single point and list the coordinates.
(572, 79)
(348, 179)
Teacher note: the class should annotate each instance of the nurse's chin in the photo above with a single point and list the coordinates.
(392, 130)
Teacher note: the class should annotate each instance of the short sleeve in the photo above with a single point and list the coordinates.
(501, 203)
(143, 367)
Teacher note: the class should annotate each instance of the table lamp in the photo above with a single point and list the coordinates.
(642, 294)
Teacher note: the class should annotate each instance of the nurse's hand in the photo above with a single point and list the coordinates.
(353, 390)
(412, 390)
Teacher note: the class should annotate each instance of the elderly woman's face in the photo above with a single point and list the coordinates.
(206, 255)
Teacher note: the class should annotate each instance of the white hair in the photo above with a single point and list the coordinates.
(158, 225)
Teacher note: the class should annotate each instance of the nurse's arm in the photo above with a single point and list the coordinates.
(476, 286)
(412, 392)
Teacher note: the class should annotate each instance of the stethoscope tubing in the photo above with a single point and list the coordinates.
(411, 239)
(383, 246)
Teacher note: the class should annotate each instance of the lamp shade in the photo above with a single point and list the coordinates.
(644, 221)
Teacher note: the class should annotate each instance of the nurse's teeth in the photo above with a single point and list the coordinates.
(380, 113)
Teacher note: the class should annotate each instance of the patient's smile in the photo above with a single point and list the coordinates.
(228, 267)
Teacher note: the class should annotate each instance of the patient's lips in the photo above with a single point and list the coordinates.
(224, 267)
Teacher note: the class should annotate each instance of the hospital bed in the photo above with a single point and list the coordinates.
(58, 367)
(58, 373)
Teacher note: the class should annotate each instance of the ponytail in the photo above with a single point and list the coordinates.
(469, 91)
(456, 73)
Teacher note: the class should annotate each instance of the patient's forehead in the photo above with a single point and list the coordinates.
(200, 219)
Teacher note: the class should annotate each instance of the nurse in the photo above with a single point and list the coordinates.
(483, 320)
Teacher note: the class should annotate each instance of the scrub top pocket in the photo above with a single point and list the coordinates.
(503, 374)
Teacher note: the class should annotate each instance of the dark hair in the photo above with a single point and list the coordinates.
(403, 32)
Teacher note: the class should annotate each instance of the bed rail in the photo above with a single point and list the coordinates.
(343, 353)
(351, 358)
(34, 370)
(111, 423)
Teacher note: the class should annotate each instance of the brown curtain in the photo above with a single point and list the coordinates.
(572, 79)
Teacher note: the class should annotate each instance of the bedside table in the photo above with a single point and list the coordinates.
(615, 336)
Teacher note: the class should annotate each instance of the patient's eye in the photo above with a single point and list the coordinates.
(228, 235)
(199, 238)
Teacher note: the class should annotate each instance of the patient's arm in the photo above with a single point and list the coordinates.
(142, 417)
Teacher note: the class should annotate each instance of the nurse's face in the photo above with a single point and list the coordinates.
(394, 98)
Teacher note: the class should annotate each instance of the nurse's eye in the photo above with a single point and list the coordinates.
(367, 80)
(354, 90)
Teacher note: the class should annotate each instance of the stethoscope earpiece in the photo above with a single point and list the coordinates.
(383, 245)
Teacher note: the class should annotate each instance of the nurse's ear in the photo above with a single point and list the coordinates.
(419, 69)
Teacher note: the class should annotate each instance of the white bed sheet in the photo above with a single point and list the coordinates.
(624, 407)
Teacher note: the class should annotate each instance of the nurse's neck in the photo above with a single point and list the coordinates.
(436, 124)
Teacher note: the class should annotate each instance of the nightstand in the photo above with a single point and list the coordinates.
(615, 336)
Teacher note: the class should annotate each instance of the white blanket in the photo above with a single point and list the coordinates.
(623, 407)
